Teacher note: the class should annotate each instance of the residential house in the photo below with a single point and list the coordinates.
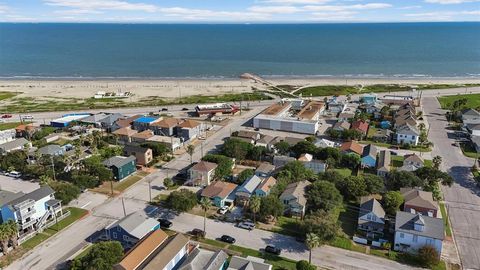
(202, 173)
(414, 160)
(476, 142)
(248, 263)
(335, 106)
(294, 199)
(267, 142)
(383, 163)
(369, 156)
(51, 150)
(142, 136)
(323, 143)
(26, 130)
(166, 127)
(361, 127)
(94, 119)
(305, 157)
(413, 231)
(7, 135)
(316, 166)
(143, 155)
(220, 192)
(345, 116)
(131, 229)
(250, 135)
(121, 166)
(405, 119)
(419, 201)
(143, 123)
(109, 121)
(18, 144)
(382, 135)
(264, 170)
(190, 129)
(407, 134)
(374, 108)
(280, 161)
(124, 134)
(247, 190)
(202, 259)
(265, 187)
(30, 211)
(171, 143)
(371, 217)
(369, 98)
(341, 126)
(352, 147)
(124, 122)
(473, 129)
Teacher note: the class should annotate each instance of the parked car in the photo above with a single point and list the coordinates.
(223, 210)
(201, 138)
(227, 239)
(185, 109)
(27, 117)
(273, 250)
(198, 233)
(395, 147)
(165, 223)
(14, 174)
(164, 109)
(247, 225)
(7, 116)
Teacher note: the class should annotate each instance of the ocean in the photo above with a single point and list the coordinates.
(56, 50)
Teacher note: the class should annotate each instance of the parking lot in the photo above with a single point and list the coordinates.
(16, 184)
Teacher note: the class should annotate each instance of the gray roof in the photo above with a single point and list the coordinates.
(471, 112)
(7, 196)
(202, 259)
(136, 224)
(265, 139)
(265, 167)
(292, 140)
(370, 150)
(384, 159)
(296, 190)
(419, 198)
(408, 130)
(371, 205)
(14, 144)
(341, 124)
(249, 263)
(476, 140)
(51, 149)
(93, 118)
(433, 228)
(118, 161)
(250, 184)
(135, 149)
(111, 118)
(35, 195)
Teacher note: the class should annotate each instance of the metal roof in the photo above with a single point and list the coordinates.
(433, 228)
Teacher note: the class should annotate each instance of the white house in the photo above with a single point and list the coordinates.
(413, 231)
(202, 173)
(407, 134)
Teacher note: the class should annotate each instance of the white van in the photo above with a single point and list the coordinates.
(247, 225)
(27, 117)
(14, 174)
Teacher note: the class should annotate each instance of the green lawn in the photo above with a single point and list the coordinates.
(328, 90)
(443, 210)
(346, 243)
(473, 100)
(10, 125)
(348, 217)
(287, 226)
(428, 163)
(397, 161)
(344, 171)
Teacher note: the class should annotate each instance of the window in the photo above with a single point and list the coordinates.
(415, 238)
(114, 235)
(402, 235)
(429, 241)
(126, 238)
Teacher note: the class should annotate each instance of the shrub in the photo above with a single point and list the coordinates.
(305, 265)
(428, 256)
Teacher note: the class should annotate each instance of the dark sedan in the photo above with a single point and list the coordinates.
(165, 223)
(273, 250)
(227, 239)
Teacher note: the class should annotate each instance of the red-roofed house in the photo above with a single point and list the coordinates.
(360, 126)
(351, 147)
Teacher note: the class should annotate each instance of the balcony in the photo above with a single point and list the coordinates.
(27, 224)
(26, 214)
(24, 204)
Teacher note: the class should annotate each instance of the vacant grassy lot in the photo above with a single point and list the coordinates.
(5, 126)
(473, 100)
(119, 187)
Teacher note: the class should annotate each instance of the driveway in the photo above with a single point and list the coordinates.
(16, 184)
(463, 198)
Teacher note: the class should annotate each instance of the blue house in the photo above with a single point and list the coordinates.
(131, 229)
(143, 123)
(369, 98)
(247, 189)
(385, 124)
(265, 187)
(369, 156)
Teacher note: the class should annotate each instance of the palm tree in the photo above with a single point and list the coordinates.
(190, 150)
(312, 240)
(254, 205)
(437, 161)
(205, 203)
(12, 229)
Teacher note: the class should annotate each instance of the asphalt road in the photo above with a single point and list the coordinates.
(463, 198)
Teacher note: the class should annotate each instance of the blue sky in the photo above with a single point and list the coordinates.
(238, 11)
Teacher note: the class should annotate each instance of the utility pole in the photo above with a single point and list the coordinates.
(150, 189)
(123, 205)
(111, 187)
(53, 168)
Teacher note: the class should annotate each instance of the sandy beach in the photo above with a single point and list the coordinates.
(169, 89)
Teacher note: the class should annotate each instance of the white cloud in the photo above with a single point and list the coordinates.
(347, 7)
(410, 7)
(334, 16)
(440, 15)
(77, 12)
(102, 5)
(447, 2)
(295, 2)
(4, 9)
(211, 15)
(275, 9)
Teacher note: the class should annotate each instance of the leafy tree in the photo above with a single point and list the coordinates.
(428, 256)
(85, 181)
(254, 206)
(374, 183)
(168, 182)
(312, 240)
(244, 175)
(158, 149)
(437, 161)
(102, 256)
(256, 152)
(350, 160)
(351, 134)
(305, 265)
(224, 163)
(323, 224)
(111, 151)
(8, 233)
(270, 206)
(399, 179)
(16, 159)
(392, 201)
(294, 171)
(304, 147)
(323, 195)
(181, 200)
(282, 147)
(64, 191)
(311, 139)
(329, 153)
(352, 187)
(43, 132)
(331, 176)
(205, 203)
(236, 148)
